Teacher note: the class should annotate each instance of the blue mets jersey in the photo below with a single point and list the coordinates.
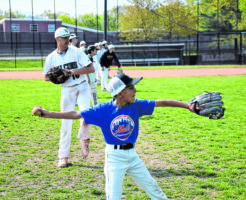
(118, 125)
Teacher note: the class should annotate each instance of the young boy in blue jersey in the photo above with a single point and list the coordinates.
(119, 122)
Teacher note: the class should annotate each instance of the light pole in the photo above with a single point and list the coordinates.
(105, 20)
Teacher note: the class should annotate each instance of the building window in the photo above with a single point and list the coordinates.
(15, 28)
(51, 27)
(33, 28)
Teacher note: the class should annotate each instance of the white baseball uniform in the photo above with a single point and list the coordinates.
(75, 90)
(97, 67)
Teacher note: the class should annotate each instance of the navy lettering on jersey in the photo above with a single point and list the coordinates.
(71, 65)
(122, 127)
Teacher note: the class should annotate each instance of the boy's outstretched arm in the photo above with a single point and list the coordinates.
(176, 103)
(171, 103)
(73, 114)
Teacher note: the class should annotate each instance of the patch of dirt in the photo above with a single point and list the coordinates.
(140, 72)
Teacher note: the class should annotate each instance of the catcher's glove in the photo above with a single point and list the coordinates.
(119, 71)
(208, 104)
(58, 75)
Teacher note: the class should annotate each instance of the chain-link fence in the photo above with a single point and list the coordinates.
(221, 43)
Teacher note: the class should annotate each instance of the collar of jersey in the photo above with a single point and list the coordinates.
(63, 52)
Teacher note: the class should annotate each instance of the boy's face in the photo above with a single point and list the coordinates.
(128, 94)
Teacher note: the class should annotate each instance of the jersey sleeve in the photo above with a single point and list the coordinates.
(93, 115)
(47, 65)
(145, 107)
(116, 59)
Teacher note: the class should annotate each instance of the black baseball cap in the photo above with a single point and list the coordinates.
(120, 82)
(92, 48)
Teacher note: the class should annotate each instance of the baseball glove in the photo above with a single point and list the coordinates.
(208, 104)
(119, 71)
(58, 75)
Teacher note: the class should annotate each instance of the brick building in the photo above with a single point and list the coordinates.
(29, 25)
(36, 35)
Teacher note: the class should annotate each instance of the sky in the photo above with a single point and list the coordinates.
(67, 6)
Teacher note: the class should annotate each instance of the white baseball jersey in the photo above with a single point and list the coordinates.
(73, 58)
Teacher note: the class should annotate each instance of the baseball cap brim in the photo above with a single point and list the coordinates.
(72, 37)
(134, 81)
(64, 35)
(92, 48)
(120, 82)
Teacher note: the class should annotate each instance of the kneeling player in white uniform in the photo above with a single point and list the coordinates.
(75, 89)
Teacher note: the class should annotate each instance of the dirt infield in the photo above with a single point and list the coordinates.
(140, 72)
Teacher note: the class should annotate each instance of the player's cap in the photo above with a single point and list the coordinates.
(83, 42)
(104, 42)
(72, 36)
(100, 44)
(111, 46)
(92, 48)
(120, 82)
(62, 32)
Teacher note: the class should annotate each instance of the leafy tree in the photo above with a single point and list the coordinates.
(50, 14)
(14, 14)
(67, 19)
(112, 20)
(219, 15)
(150, 19)
(242, 15)
(178, 19)
(137, 22)
(89, 20)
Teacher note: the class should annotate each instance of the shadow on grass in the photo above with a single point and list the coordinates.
(164, 172)
(88, 166)
(172, 172)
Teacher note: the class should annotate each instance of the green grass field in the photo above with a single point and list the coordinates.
(191, 157)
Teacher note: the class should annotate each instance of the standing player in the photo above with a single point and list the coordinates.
(104, 45)
(82, 46)
(105, 62)
(73, 40)
(119, 122)
(92, 52)
(98, 57)
(76, 89)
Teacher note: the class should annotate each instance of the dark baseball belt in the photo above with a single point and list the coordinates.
(124, 146)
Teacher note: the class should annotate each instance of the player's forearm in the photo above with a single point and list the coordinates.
(63, 115)
(84, 70)
(171, 103)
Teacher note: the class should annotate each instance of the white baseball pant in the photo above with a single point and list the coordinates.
(69, 97)
(104, 78)
(93, 90)
(97, 71)
(119, 162)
